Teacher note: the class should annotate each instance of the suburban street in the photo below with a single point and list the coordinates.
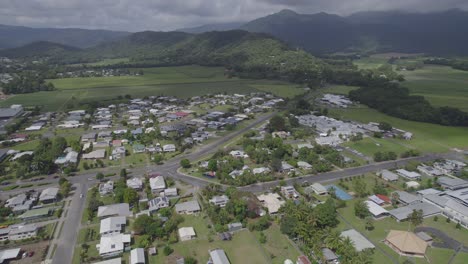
(81, 182)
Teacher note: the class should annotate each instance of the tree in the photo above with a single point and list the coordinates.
(213, 165)
(369, 223)
(361, 209)
(416, 217)
(99, 176)
(385, 126)
(277, 123)
(167, 250)
(185, 163)
(130, 196)
(360, 187)
(140, 224)
(123, 174)
(326, 214)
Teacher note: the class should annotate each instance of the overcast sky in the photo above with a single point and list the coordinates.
(138, 15)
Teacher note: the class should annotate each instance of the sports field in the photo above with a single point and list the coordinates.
(183, 82)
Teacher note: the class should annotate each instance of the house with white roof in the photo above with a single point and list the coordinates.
(190, 207)
(169, 148)
(121, 209)
(137, 256)
(157, 184)
(49, 195)
(410, 175)
(112, 225)
(220, 201)
(218, 256)
(135, 183)
(377, 211)
(272, 201)
(110, 246)
(106, 188)
(304, 165)
(186, 233)
(388, 175)
(319, 189)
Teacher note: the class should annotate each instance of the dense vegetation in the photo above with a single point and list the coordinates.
(454, 63)
(27, 83)
(395, 100)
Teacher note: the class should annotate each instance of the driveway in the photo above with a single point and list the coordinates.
(446, 241)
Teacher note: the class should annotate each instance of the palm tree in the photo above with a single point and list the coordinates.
(333, 240)
(347, 249)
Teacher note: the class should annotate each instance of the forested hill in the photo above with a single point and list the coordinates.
(438, 33)
(16, 36)
(39, 49)
(258, 54)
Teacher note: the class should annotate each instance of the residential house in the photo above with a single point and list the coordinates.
(95, 154)
(22, 231)
(286, 167)
(137, 256)
(106, 188)
(186, 233)
(70, 158)
(304, 165)
(388, 175)
(170, 192)
(118, 153)
(272, 201)
(289, 192)
(220, 201)
(89, 137)
(218, 256)
(138, 148)
(410, 175)
(49, 195)
(319, 189)
(111, 246)
(158, 203)
(112, 225)
(232, 227)
(190, 207)
(157, 184)
(330, 256)
(169, 148)
(135, 183)
(121, 209)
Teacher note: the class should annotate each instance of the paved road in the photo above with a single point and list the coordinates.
(67, 240)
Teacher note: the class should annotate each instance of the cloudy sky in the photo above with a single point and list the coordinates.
(137, 15)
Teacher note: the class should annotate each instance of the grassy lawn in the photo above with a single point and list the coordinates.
(426, 137)
(278, 245)
(460, 258)
(441, 85)
(369, 146)
(243, 248)
(339, 89)
(449, 228)
(281, 89)
(25, 146)
(88, 234)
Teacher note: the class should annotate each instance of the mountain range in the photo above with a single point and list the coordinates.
(437, 33)
(16, 36)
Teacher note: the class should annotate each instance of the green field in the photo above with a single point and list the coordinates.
(426, 137)
(441, 85)
(183, 82)
(243, 248)
(369, 146)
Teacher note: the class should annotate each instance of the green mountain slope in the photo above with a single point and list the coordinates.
(39, 49)
(438, 33)
(16, 36)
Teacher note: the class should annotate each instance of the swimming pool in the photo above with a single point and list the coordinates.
(340, 194)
